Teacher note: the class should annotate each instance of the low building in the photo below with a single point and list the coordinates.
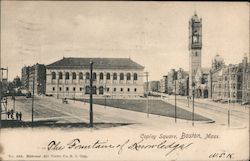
(116, 77)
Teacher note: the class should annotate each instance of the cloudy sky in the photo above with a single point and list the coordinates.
(154, 34)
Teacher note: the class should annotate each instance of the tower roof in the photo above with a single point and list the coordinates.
(195, 17)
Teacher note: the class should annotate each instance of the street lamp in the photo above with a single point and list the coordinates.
(91, 96)
(193, 92)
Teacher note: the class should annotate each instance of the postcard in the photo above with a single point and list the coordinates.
(124, 80)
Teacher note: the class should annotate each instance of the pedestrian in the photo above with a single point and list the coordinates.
(17, 114)
(8, 113)
(20, 116)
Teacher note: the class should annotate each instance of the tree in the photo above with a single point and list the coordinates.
(17, 82)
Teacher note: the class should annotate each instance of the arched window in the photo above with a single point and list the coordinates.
(94, 76)
(60, 75)
(108, 76)
(114, 76)
(67, 75)
(135, 76)
(121, 76)
(73, 75)
(101, 76)
(101, 90)
(53, 75)
(80, 75)
(128, 76)
(87, 75)
(87, 90)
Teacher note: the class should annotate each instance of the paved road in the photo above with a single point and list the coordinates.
(46, 108)
(239, 115)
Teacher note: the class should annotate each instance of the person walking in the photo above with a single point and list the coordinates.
(8, 113)
(17, 115)
(20, 116)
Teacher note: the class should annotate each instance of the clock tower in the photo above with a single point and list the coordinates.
(195, 45)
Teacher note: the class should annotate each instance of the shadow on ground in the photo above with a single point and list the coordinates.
(55, 124)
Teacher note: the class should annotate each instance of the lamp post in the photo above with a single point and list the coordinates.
(193, 92)
(91, 96)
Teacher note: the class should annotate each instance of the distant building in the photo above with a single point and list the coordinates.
(25, 77)
(172, 76)
(70, 77)
(201, 82)
(36, 74)
(153, 86)
(245, 80)
(164, 84)
(182, 82)
(230, 83)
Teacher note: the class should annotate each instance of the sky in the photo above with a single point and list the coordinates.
(153, 34)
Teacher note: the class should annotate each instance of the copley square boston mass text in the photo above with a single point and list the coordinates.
(124, 80)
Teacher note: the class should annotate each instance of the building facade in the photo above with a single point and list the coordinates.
(195, 45)
(25, 77)
(172, 76)
(70, 77)
(164, 84)
(34, 77)
(230, 83)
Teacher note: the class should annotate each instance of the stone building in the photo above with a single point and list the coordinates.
(172, 74)
(164, 84)
(70, 77)
(181, 82)
(230, 83)
(195, 46)
(36, 74)
(25, 77)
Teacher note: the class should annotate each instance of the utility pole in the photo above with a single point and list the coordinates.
(0, 100)
(193, 92)
(147, 90)
(175, 107)
(230, 93)
(91, 96)
(33, 92)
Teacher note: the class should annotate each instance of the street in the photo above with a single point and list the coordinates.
(52, 109)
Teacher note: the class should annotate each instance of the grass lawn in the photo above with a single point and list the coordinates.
(157, 107)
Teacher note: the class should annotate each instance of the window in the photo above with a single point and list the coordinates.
(196, 53)
(101, 90)
(114, 89)
(67, 75)
(128, 89)
(107, 89)
(108, 76)
(121, 89)
(80, 75)
(53, 89)
(135, 89)
(73, 75)
(121, 76)
(87, 75)
(101, 76)
(74, 88)
(94, 76)
(67, 88)
(60, 88)
(135, 76)
(114, 76)
(87, 90)
(53, 75)
(128, 76)
(60, 75)
(80, 88)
